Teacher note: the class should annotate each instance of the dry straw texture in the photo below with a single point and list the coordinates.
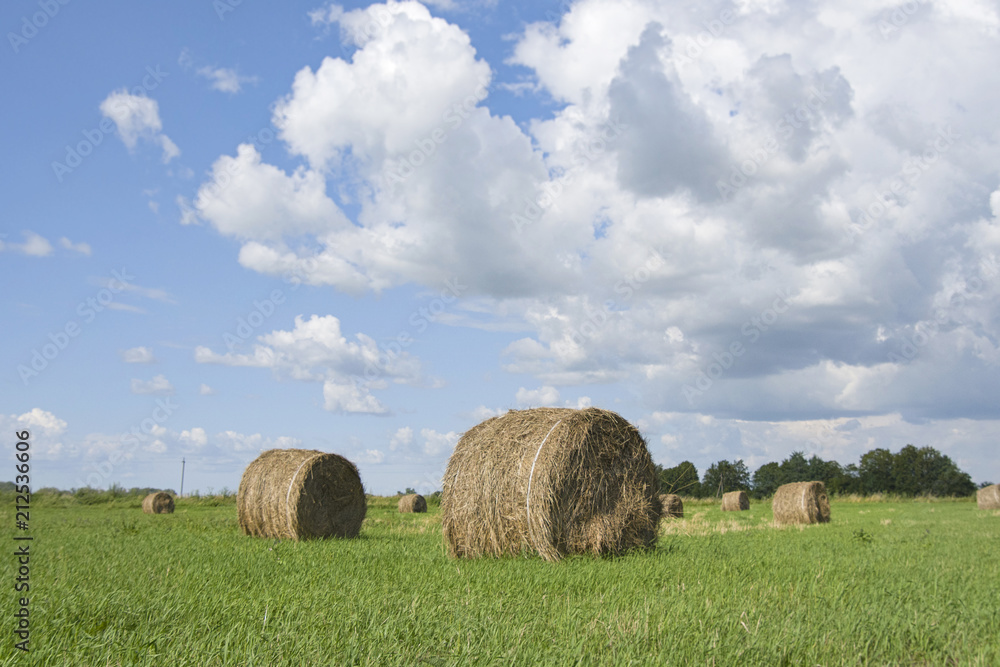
(160, 502)
(300, 494)
(801, 502)
(988, 497)
(735, 501)
(413, 502)
(673, 507)
(555, 481)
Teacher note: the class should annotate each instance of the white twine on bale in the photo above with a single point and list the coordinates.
(527, 498)
(288, 510)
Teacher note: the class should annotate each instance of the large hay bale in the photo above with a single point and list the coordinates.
(673, 506)
(300, 494)
(555, 481)
(735, 501)
(413, 502)
(160, 502)
(988, 497)
(801, 502)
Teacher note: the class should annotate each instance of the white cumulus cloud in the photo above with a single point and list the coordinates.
(436, 443)
(138, 117)
(225, 79)
(138, 355)
(401, 439)
(317, 351)
(546, 396)
(158, 386)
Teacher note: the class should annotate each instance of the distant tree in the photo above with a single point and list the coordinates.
(725, 476)
(876, 471)
(953, 482)
(847, 481)
(824, 471)
(682, 479)
(983, 485)
(795, 469)
(767, 479)
(913, 471)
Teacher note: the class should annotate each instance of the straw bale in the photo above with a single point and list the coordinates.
(300, 494)
(673, 506)
(735, 501)
(554, 481)
(160, 502)
(413, 502)
(801, 502)
(988, 497)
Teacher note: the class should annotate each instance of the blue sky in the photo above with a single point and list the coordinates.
(748, 227)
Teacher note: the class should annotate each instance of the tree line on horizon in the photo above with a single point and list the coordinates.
(911, 471)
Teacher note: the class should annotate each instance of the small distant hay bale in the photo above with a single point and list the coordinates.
(413, 502)
(673, 506)
(735, 501)
(554, 481)
(801, 502)
(300, 494)
(160, 502)
(988, 497)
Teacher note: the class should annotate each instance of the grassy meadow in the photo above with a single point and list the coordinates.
(898, 582)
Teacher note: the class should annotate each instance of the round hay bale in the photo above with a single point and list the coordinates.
(673, 507)
(988, 497)
(160, 502)
(300, 494)
(801, 502)
(735, 501)
(555, 481)
(413, 502)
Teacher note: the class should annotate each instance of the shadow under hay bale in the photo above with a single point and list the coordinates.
(801, 502)
(673, 506)
(160, 502)
(988, 497)
(413, 502)
(735, 501)
(300, 494)
(555, 481)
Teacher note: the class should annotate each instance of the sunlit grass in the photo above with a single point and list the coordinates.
(899, 582)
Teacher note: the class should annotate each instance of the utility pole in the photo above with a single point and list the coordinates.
(182, 478)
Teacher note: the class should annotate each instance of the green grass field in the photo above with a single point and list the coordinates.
(900, 583)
